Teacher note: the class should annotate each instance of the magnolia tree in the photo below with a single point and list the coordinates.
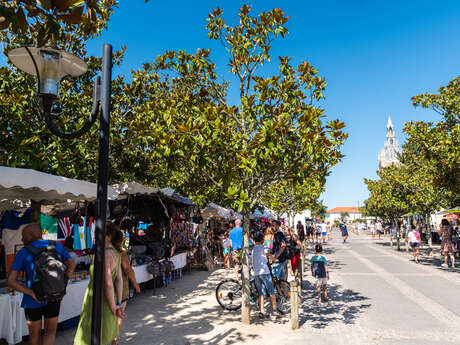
(232, 154)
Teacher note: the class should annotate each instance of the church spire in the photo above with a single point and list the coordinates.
(389, 153)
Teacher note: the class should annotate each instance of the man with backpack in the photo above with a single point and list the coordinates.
(47, 266)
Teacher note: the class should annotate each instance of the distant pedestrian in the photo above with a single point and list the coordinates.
(320, 270)
(344, 231)
(262, 277)
(447, 246)
(279, 252)
(379, 229)
(37, 306)
(318, 230)
(323, 232)
(300, 231)
(310, 231)
(414, 242)
(226, 246)
(372, 227)
(295, 246)
(269, 237)
(236, 237)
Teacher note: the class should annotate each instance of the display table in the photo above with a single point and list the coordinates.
(142, 275)
(179, 260)
(13, 325)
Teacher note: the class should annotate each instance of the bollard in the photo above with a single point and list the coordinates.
(295, 305)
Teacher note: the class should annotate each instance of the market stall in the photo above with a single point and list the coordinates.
(20, 189)
(157, 224)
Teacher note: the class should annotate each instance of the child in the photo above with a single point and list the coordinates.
(262, 276)
(320, 270)
(414, 241)
(226, 245)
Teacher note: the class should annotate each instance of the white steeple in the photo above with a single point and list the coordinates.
(389, 153)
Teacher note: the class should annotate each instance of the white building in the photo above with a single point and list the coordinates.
(389, 153)
(335, 213)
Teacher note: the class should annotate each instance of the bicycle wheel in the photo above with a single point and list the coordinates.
(283, 295)
(229, 294)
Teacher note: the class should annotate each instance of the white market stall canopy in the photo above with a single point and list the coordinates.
(213, 210)
(135, 188)
(18, 184)
(257, 214)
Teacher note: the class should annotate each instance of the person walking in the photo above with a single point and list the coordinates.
(25, 261)
(262, 278)
(300, 231)
(379, 229)
(112, 308)
(310, 232)
(226, 245)
(324, 232)
(447, 246)
(344, 230)
(372, 227)
(236, 238)
(320, 270)
(127, 274)
(279, 252)
(295, 246)
(414, 242)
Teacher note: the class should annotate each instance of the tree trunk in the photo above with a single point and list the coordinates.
(246, 307)
(35, 210)
(430, 239)
(391, 233)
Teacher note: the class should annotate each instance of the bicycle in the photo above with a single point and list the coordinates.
(229, 293)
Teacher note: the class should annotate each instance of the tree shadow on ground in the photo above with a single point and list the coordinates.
(188, 317)
(433, 260)
(344, 306)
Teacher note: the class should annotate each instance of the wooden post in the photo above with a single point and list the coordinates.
(295, 300)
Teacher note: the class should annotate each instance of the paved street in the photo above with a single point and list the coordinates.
(378, 297)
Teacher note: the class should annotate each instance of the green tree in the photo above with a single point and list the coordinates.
(437, 145)
(387, 200)
(234, 153)
(318, 209)
(46, 21)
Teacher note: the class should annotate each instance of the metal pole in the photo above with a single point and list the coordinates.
(104, 133)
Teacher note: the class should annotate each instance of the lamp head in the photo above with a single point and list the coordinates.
(49, 65)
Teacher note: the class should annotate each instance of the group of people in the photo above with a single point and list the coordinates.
(41, 306)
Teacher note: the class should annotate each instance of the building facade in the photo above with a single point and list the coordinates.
(389, 153)
(335, 213)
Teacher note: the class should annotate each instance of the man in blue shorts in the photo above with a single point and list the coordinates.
(34, 309)
(236, 237)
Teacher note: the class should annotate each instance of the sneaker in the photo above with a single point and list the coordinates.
(444, 265)
(278, 313)
(263, 316)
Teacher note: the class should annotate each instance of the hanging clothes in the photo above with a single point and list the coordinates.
(11, 225)
(64, 229)
(79, 242)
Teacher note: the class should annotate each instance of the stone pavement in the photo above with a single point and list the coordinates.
(378, 297)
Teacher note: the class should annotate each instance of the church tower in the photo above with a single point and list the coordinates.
(389, 153)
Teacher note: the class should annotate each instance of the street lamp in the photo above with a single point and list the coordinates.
(51, 65)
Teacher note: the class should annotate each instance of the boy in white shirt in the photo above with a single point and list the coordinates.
(262, 275)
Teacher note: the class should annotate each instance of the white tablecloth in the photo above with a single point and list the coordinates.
(179, 260)
(13, 325)
(142, 275)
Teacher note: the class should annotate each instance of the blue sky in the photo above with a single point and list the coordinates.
(375, 55)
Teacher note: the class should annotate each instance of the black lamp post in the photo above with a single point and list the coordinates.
(50, 66)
